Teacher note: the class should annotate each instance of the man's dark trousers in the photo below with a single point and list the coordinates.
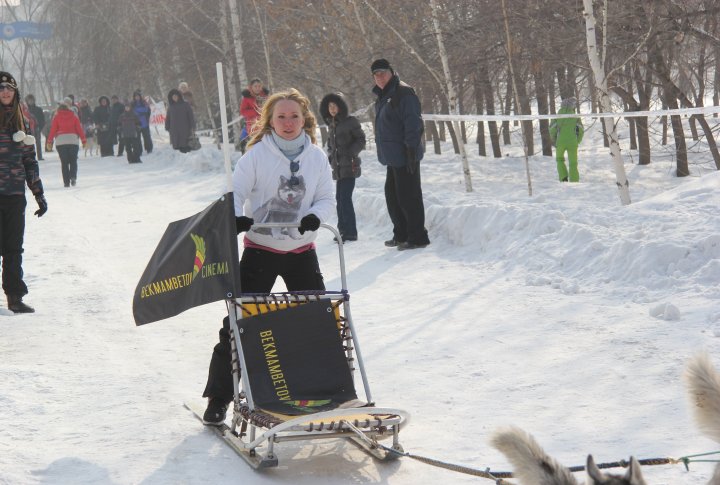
(403, 196)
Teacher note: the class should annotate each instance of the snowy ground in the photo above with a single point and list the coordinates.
(564, 313)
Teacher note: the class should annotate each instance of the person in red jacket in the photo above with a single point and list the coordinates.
(253, 98)
(67, 132)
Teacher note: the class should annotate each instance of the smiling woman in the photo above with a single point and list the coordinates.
(286, 178)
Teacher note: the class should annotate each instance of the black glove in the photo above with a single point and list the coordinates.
(412, 162)
(243, 223)
(42, 204)
(309, 223)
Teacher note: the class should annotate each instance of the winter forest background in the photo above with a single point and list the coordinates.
(463, 57)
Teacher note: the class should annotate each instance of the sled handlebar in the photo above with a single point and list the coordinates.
(336, 233)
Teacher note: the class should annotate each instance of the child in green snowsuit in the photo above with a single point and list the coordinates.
(567, 133)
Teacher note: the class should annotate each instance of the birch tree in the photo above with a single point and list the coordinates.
(451, 93)
(235, 23)
(517, 96)
(601, 84)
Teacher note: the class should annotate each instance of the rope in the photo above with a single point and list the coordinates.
(686, 459)
(498, 476)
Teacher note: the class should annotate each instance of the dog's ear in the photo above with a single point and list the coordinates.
(634, 475)
(596, 476)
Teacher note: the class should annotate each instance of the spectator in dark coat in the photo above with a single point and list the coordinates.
(142, 110)
(85, 115)
(346, 140)
(116, 109)
(18, 168)
(129, 129)
(101, 116)
(39, 116)
(179, 121)
(187, 95)
(398, 138)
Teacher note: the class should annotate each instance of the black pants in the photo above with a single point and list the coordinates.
(403, 196)
(258, 271)
(133, 149)
(345, 209)
(147, 140)
(68, 162)
(106, 149)
(12, 233)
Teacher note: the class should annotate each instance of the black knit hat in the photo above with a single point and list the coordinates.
(6, 77)
(380, 64)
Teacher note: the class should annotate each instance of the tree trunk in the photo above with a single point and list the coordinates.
(236, 29)
(633, 134)
(518, 95)
(506, 111)
(524, 108)
(541, 95)
(716, 80)
(453, 137)
(601, 84)
(266, 48)
(630, 121)
(664, 121)
(566, 81)
(431, 128)
(670, 94)
(480, 138)
(551, 95)
(487, 90)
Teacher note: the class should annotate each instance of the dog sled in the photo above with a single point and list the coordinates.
(295, 359)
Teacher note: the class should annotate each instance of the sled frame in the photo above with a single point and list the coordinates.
(254, 432)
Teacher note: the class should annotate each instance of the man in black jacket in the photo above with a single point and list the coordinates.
(116, 109)
(37, 113)
(398, 137)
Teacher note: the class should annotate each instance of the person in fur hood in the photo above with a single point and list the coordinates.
(346, 140)
(179, 121)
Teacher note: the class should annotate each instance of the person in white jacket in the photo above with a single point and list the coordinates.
(286, 178)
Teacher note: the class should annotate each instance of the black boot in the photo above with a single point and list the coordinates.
(16, 305)
(215, 412)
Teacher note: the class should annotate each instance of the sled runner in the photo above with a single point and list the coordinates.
(295, 356)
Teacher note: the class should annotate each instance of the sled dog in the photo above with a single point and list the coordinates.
(703, 382)
(91, 146)
(532, 466)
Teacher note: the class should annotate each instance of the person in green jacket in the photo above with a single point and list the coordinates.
(566, 134)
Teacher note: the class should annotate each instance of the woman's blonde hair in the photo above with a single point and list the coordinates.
(292, 94)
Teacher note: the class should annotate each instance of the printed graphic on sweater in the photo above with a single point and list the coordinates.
(284, 207)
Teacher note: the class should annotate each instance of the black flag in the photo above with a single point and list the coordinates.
(196, 262)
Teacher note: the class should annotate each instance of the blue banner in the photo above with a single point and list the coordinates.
(29, 30)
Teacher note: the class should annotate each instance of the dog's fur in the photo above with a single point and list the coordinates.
(703, 382)
(532, 466)
(91, 147)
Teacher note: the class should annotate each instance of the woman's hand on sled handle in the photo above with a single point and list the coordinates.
(243, 223)
(309, 223)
